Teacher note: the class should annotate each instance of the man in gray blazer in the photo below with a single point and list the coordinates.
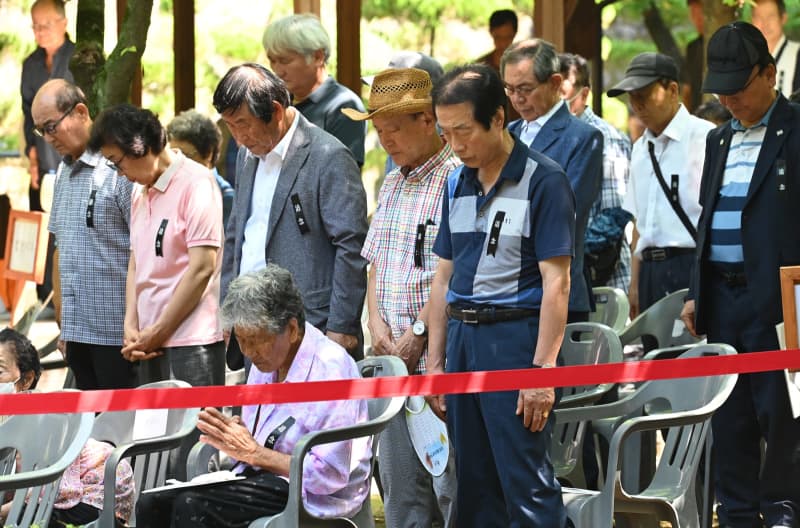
(299, 203)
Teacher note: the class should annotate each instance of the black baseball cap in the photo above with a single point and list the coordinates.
(732, 53)
(644, 69)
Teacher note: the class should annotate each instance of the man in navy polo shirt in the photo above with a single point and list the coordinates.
(505, 244)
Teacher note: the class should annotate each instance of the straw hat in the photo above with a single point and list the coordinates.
(396, 91)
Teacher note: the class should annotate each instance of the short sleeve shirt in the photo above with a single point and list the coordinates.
(496, 240)
(93, 249)
(399, 243)
(181, 210)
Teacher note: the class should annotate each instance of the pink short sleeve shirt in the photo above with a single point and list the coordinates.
(182, 209)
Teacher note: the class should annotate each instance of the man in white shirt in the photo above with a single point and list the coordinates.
(663, 235)
(769, 16)
(300, 204)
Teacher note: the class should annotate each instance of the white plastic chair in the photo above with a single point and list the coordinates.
(663, 321)
(46, 445)
(148, 456)
(584, 344)
(611, 307)
(380, 411)
(684, 406)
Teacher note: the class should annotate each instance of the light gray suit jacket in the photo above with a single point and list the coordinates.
(326, 260)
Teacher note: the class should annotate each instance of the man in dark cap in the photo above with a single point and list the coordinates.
(665, 180)
(747, 231)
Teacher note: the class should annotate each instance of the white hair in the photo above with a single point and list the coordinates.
(301, 34)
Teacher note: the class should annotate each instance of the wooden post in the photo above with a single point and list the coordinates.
(307, 6)
(183, 44)
(348, 44)
(548, 21)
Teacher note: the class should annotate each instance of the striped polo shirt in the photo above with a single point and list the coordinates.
(726, 222)
(496, 240)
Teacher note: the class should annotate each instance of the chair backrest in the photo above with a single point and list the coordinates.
(46, 444)
(584, 344)
(662, 321)
(611, 307)
(148, 454)
(694, 400)
(588, 344)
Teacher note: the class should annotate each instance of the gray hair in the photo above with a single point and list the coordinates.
(540, 52)
(301, 34)
(266, 300)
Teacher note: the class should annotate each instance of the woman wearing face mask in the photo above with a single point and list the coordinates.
(80, 492)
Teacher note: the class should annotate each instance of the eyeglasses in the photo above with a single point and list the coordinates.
(524, 90)
(115, 164)
(46, 26)
(50, 128)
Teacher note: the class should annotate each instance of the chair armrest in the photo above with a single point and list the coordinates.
(198, 459)
(645, 423)
(584, 398)
(304, 445)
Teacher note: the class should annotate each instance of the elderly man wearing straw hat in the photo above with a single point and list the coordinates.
(399, 246)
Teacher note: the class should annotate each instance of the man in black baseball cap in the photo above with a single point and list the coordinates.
(644, 69)
(665, 157)
(750, 192)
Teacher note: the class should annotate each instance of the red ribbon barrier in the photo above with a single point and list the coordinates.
(458, 383)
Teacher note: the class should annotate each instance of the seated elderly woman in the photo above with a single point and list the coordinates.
(266, 312)
(80, 492)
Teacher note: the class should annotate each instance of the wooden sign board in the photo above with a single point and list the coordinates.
(26, 246)
(790, 295)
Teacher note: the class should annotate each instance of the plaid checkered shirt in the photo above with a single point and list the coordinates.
(405, 202)
(93, 248)
(616, 171)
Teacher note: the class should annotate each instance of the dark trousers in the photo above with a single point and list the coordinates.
(757, 409)
(227, 505)
(100, 367)
(659, 278)
(505, 477)
(197, 365)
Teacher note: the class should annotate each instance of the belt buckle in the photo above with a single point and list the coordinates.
(470, 316)
(658, 254)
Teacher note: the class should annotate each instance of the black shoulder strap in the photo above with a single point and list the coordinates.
(672, 194)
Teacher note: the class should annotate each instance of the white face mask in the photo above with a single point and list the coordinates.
(9, 387)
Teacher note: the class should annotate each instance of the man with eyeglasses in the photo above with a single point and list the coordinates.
(750, 193)
(532, 78)
(666, 164)
(90, 222)
(50, 60)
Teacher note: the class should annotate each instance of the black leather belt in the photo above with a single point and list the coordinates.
(731, 278)
(658, 254)
(475, 314)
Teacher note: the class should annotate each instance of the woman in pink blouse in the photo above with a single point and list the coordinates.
(80, 492)
(266, 312)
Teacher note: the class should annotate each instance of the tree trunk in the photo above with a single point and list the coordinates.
(107, 82)
(718, 13)
(123, 62)
(662, 36)
(88, 60)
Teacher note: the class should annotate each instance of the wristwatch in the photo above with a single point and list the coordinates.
(419, 329)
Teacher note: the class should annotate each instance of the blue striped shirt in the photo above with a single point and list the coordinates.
(726, 222)
(534, 199)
